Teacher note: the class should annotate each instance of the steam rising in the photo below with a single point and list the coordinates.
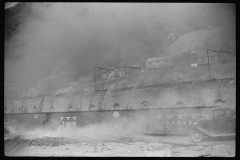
(106, 130)
(58, 44)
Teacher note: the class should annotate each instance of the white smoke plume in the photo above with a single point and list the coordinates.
(56, 43)
(106, 130)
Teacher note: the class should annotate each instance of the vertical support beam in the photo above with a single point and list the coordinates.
(229, 57)
(95, 77)
(208, 65)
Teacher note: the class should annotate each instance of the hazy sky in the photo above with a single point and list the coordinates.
(58, 42)
(10, 4)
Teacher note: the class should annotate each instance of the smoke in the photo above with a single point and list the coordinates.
(10, 4)
(109, 129)
(84, 83)
(56, 43)
(57, 47)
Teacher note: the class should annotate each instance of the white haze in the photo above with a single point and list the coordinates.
(57, 45)
(106, 130)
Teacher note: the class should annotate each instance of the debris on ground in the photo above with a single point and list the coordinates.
(154, 146)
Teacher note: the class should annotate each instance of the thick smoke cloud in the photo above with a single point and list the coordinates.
(58, 44)
(109, 129)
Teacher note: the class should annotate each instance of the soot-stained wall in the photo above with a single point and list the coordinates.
(189, 94)
(117, 100)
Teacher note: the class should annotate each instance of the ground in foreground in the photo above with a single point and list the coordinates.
(132, 145)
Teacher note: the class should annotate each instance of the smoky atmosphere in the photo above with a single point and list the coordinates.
(55, 46)
(120, 79)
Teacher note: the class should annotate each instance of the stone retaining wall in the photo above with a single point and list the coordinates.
(189, 94)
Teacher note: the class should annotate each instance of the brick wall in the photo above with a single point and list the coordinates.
(207, 93)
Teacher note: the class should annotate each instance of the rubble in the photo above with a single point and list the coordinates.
(160, 146)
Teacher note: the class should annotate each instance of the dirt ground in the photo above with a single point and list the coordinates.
(128, 146)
